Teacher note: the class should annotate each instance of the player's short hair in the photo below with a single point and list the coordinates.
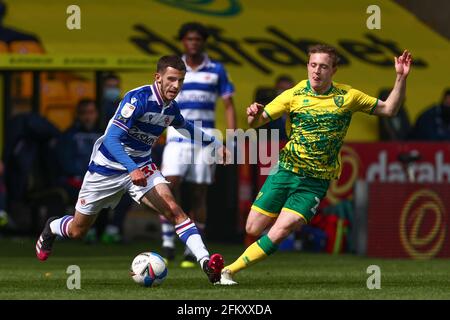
(170, 61)
(324, 48)
(193, 26)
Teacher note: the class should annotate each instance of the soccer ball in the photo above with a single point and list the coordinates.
(148, 269)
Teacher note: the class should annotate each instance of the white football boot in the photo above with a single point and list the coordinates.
(226, 278)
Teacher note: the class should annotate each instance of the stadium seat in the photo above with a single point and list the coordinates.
(22, 83)
(25, 47)
(4, 47)
(60, 115)
(79, 89)
(54, 92)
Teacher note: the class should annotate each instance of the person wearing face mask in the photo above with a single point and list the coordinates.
(434, 123)
(111, 97)
(110, 100)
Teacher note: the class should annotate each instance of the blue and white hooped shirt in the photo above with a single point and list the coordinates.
(142, 116)
(198, 96)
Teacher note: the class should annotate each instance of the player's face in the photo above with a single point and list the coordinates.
(193, 43)
(170, 83)
(320, 71)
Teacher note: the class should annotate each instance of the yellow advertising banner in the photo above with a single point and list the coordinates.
(256, 40)
(26, 62)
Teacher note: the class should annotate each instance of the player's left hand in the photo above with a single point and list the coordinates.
(403, 64)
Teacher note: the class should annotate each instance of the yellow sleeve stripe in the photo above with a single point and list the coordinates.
(264, 212)
(295, 212)
(268, 115)
(374, 106)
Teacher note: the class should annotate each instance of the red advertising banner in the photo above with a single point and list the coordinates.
(386, 162)
(404, 167)
(408, 220)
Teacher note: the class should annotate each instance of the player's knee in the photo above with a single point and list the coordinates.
(253, 229)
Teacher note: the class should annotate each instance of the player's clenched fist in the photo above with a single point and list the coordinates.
(255, 109)
(138, 178)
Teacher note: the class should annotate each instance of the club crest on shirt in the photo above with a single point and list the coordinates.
(166, 121)
(127, 110)
(338, 100)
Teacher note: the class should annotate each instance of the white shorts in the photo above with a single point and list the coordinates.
(99, 191)
(178, 160)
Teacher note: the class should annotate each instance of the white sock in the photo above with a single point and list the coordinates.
(167, 232)
(60, 226)
(201, 230)
(188, 233)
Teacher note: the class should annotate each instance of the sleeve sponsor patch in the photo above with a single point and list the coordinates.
(127, 110)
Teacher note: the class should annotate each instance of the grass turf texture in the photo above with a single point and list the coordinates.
(285, 275)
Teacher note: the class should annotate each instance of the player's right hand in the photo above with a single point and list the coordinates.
(255, 109)
(138, 178)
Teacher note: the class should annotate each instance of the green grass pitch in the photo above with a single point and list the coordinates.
(286, 275)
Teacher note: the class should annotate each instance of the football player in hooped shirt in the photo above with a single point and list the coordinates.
(121, 162)
(206, 81)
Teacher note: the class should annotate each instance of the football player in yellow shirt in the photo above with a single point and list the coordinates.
(319, 114)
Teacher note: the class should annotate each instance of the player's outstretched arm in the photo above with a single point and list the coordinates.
(390, 107)
(256, 116)
(196, 134)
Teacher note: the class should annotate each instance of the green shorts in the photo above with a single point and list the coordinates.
(288, 191)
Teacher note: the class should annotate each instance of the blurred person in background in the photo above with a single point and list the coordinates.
(3, 214)
(110, 97)
(434, 123)
(205, 81)
(30, 174)
(266, 95)
(75, 146)
(397, 128)
(74, 153)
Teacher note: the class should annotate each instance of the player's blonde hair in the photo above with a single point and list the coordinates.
(324, 48)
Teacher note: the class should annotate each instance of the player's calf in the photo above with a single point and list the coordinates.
(77, 232)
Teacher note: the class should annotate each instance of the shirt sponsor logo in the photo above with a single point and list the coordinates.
(141, 136)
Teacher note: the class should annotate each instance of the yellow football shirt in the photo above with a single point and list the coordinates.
(316, 126)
